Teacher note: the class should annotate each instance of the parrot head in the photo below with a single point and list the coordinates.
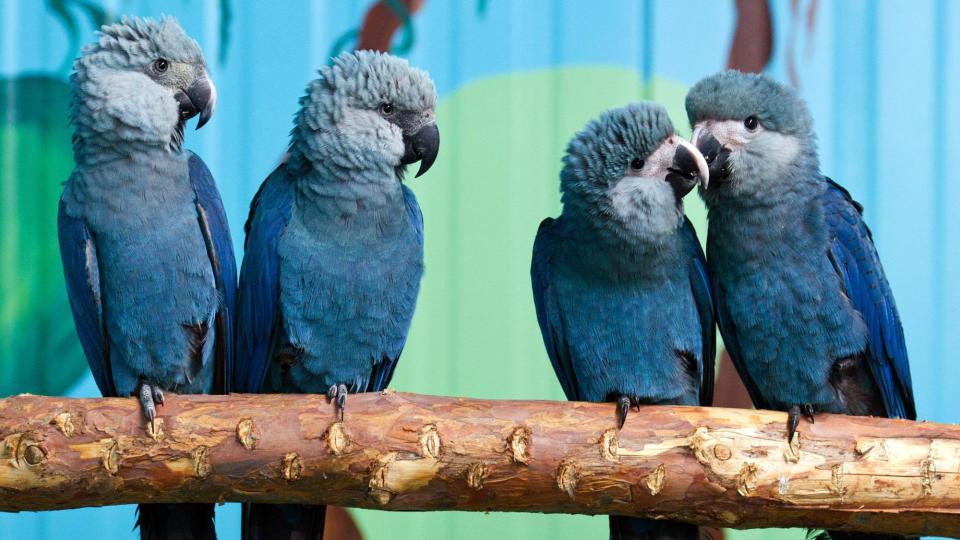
(140, 82)
(627, 171)
(755, 134)
(368, 110)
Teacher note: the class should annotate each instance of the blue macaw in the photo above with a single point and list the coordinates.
(334, 248)
(144, 239)
(803, 304)
(619, 279)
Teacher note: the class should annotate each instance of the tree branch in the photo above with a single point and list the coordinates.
(395, 451)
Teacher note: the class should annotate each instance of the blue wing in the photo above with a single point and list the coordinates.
(216, 235)
(258, 306)
(728, 331)
(383, 370)
(81, 270)
(700, 286)
(856, 261)
(548, 313)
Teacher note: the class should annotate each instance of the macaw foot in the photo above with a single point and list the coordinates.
(624, 404)
(793, 418)
(338, 393)
(150, 396)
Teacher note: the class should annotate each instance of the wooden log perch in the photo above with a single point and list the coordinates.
(396, 451)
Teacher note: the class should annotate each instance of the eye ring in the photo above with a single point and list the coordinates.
(161, 65)
(387, 109)
(751, 123)
(637, 164)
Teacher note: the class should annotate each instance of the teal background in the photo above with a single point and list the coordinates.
(516, 80)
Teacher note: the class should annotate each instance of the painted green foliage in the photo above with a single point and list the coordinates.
(39, 351)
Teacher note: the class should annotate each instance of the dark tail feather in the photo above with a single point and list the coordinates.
(283, 522)
(176, 522)
(625, 528)
(816, 534)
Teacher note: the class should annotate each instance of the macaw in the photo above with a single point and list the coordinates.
(619, 279)
(144, 239)
(334, 248)
(803, 304)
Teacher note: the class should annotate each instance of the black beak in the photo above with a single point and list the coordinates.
(687, 168)
(422, 145)
(715, 153)
(199, 98)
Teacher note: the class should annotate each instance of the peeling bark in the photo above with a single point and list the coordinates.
(395, 451)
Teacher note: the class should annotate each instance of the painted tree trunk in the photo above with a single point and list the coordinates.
(397, 451)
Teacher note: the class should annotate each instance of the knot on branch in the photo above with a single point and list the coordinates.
(23, 450)
(155, 429)
(568, 476)
(520, 445)
(747, 479)
(110, 456)
(247, 433)
(337, 439)
(429, 441)
(610, 445)
(476, 475)
(64, 423)
(292, 466)
(201, 467)
(654, 480)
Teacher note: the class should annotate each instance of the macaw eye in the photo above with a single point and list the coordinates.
(161, 65)
(386, 109)
(751, 123)
(636, 164)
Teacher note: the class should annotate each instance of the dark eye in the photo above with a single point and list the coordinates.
(160, 65)
(636, 164)
(751, 123)
(386, 109)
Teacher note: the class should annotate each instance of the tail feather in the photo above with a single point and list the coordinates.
(176, 522)
(626, 528)
(283, 522)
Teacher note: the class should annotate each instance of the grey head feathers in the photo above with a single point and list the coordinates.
(757, 134)
(733, 95)
(614, 178)
(355, 116)
(135, 87)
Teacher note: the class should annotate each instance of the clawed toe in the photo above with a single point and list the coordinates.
(623, 408)
(150, 396)
(338, 394)
(793, 418)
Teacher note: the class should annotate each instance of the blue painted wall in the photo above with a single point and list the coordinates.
(518, 78)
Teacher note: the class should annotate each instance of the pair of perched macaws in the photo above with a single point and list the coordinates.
(627, 302)
(334, 253)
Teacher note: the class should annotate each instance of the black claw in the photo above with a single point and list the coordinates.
(145, 395)
(338, 394)
(807, 409)
(623, 408)
(341, 399)
(157, 395)
(793, 420)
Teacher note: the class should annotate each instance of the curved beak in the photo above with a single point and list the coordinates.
(422, 145)
(688, 165)
(715, 153)
(199, 98)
